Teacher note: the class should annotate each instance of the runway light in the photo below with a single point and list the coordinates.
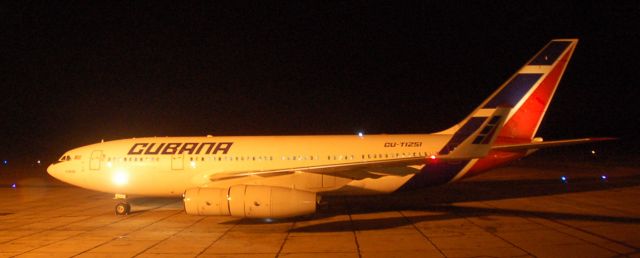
(360, 134)
(13, 185)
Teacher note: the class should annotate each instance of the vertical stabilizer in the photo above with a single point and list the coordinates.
(528, 93)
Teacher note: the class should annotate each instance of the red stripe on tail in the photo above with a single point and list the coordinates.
(524, 123)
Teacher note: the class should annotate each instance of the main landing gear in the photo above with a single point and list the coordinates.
(122, 208)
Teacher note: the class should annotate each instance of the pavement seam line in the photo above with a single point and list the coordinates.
(353, 227)
(118, 237)
(285, 238)
(422, 233)
(595, 235)
(583, 231)
(570, 235)
(496, 235)
(50, 229)
(165, 239)
(556, 230)
(217, 239)
(61, 239)
(33, 222)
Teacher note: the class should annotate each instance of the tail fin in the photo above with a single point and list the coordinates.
(528, 93)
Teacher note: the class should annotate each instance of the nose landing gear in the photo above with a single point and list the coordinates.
(122, 208)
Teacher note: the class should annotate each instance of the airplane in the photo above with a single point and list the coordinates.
(286, 176)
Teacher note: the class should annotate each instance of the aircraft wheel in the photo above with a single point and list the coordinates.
(123, 208)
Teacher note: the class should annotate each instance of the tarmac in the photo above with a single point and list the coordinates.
(524, 210)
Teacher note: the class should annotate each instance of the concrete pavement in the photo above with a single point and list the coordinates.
(519, 211)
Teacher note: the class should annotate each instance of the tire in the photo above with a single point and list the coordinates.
(123, 208)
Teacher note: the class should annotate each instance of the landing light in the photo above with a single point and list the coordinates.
(120, 178)
(433, 157)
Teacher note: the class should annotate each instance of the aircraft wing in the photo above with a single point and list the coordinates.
(356, 170)
(547, 144)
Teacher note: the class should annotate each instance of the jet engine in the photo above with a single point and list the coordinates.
(249, 201)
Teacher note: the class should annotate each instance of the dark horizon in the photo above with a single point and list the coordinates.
(76, 74)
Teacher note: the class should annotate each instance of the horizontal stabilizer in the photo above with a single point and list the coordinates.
(547, 144)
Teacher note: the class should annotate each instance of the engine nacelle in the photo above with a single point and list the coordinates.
(250, 201)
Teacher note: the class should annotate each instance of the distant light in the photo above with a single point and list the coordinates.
(38, 161)
(268, 220)
(5, 162)
(13, 185)
(593, 152)
(564, 179)
(432, 157)
(603, 177)
(360, 134)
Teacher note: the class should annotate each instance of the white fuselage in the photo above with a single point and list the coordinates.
(167, 166)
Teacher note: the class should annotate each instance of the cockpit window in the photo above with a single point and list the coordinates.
(65, 158)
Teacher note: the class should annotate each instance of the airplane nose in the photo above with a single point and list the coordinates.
(51, 170)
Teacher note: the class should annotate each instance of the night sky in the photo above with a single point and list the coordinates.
(73, 73)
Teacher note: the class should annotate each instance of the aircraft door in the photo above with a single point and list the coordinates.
(177, 162)
(96, 158)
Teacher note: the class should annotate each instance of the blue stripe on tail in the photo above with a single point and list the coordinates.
(467, 130)
(514, 91)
